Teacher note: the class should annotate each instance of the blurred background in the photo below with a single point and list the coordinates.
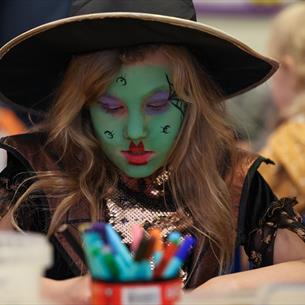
(248, 20)
(270, 119)
(253, 114)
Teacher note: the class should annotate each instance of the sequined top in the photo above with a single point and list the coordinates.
(143, 202)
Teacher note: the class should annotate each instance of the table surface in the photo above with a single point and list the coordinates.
(280, 294)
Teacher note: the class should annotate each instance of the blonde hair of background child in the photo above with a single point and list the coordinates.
(287, 38)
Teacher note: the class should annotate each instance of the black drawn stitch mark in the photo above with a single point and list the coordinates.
(175, 100)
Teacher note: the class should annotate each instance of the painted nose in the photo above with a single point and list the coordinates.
(136, 127)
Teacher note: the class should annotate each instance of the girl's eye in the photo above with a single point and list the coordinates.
(157, 103)
(111, 105)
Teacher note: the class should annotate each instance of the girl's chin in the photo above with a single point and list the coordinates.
(138, 172)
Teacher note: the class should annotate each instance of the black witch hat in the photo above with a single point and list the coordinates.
(33, 63)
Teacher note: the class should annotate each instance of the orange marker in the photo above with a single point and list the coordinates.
(158, 246)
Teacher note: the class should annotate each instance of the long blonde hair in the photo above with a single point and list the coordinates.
(287, 37)
(200, 159)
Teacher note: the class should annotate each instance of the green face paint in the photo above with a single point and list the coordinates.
(138, 119)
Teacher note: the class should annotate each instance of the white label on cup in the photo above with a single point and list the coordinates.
(141, 296)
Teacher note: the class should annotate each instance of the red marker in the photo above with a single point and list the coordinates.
(169, 251)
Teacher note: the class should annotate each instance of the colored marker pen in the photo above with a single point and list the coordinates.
(127, 273)
(169, 251)
(92, 247)
(116, 244)
(174, 237)
(143, 271)
(141, 250)
(108, 259)
(158, 247)
(137, 235)
(174, 265)
(99, 227)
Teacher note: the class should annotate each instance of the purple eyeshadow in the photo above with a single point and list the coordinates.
(159, 96)
(157, 103)
(109, 101)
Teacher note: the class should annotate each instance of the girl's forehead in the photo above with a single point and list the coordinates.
(153, 58)
(144, 70)
(140, 74)
(139, 80)
(142, 77)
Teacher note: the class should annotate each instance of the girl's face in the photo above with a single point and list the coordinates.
(138, 118)
(284, 84)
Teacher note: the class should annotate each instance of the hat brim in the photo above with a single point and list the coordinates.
(32, 64)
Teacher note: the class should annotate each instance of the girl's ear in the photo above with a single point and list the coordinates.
(289, 69)
(288, 64)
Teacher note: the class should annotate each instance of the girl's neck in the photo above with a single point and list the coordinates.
(152, 185)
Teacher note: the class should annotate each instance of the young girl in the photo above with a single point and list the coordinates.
(287, 45)
(136, 132)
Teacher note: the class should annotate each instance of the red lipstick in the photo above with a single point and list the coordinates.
(136, 154)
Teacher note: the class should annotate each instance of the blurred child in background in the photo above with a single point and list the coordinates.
(285, 146)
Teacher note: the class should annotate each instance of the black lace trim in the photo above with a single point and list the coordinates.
(280, 215)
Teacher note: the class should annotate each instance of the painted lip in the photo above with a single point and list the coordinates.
(136, 154)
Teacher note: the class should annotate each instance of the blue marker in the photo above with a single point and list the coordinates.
(173, 267)
(144, 271)
(92, 247)
(174, 237)
(157, 256)
(115, 242)
(127, 274)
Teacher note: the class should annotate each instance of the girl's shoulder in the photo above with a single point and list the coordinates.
(23, 143)
(18, 156)
(242, 175)
(28, 152)
(260, 214)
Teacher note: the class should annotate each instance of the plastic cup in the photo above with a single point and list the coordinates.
(23, 259)
(163, 292)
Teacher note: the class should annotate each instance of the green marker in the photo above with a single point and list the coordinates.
(110, 262)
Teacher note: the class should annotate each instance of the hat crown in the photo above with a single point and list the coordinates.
(174, 8)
